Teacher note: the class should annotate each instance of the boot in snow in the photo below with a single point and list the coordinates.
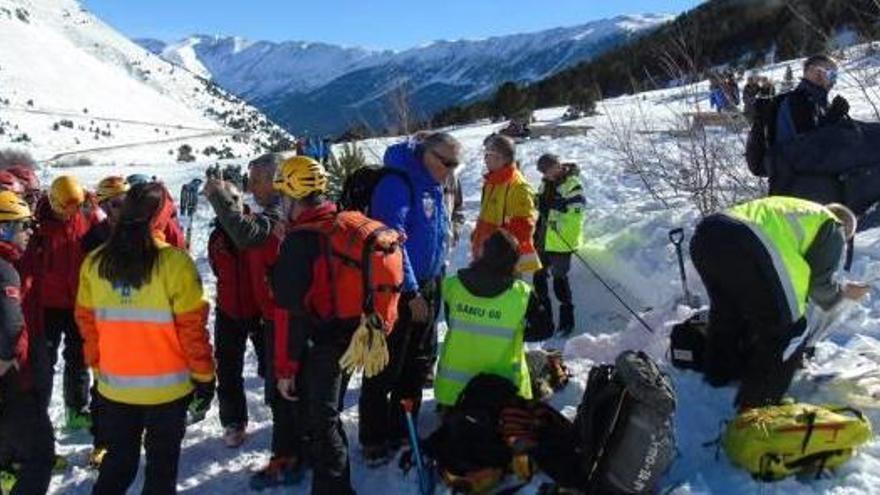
(566, 320)
(376, 455)
(281, 471)
(234, 435)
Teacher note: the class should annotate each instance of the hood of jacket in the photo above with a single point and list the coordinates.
(483, 284)
(407, 157)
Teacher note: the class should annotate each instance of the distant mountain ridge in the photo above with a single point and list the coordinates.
(321, 88)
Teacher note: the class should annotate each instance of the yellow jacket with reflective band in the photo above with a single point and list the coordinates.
(485, 335)
(146, 345)
(565, 228)
(787, 228)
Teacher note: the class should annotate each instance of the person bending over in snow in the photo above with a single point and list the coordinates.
(761, 263)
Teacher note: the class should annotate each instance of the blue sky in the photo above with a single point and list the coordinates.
(395, 24)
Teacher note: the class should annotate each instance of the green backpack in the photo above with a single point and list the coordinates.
(778, 441)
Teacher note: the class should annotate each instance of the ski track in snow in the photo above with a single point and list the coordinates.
(628, 246)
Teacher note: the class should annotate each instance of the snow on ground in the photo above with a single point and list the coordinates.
(628, 246)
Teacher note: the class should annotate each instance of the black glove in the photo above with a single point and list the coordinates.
(839, 109)
(202, 397)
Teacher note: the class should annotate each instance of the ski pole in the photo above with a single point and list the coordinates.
(602, 281)
(426, 487)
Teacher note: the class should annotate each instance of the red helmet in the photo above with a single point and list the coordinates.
(9, 182)
(26, 176)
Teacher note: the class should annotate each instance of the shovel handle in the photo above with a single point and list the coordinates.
(676, 236)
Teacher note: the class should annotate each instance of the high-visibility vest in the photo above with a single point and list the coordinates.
(565, 228)
(787, 228)
(485, 335)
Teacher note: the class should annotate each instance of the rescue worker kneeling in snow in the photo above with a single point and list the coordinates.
(142, 314)
(761, 262)
(559, 234)
(26, 436)
(490, 314)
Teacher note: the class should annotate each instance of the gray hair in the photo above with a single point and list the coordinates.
(437, 139)
(270, 161)
(503, 145)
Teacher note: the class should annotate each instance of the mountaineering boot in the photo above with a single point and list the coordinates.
(234, 435)
(77, 420)
(376, 455)
(566, 319)
(281, 471)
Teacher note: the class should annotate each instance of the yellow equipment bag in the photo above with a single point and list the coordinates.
(778, 441)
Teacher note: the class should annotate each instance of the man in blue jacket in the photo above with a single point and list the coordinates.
(411, 200)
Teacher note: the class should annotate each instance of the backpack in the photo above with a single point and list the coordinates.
(468, 440)
(357, 190)
(625, 427)
(688, 342)
(761, 136)
(365, 266)
(778, 441)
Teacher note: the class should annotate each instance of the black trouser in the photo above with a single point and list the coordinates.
(26, 436)
(323, 385)
(287, 431)
(230, 342)
(557, 266)
(749, 319)
(161, 427)
(411, 348)
(58, 324)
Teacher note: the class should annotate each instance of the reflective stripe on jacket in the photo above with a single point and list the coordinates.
(786, 227)
(146, 344)
(485, 336)
(508, 202)
(565, 225)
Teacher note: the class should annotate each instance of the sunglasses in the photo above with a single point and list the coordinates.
(23, 225)
(447, 162)
(113, 204)
(831, 74)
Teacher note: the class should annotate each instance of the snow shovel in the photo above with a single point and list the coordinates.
(676, 237)
(426, 480)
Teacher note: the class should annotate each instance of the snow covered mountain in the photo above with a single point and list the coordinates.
(320, 88)
(72, 87)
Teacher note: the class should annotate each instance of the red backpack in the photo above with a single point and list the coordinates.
(365, 266)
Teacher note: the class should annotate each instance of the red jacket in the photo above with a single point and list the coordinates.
(166, 226)
(54, 255)
(14, 326)
(235, 296)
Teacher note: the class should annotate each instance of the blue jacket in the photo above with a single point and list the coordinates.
(424, 222)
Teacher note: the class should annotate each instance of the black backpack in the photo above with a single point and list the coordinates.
(469, 439)
(625, 427)
(762, 134)
(688, 342)
(357, 190)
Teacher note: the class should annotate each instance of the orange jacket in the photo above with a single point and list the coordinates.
(148, 344)
(508, 202)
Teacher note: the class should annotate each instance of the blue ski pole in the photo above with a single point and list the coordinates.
(426, 484)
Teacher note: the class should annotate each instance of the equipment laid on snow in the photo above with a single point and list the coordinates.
(778, 441)
(688, 342)
(547, 371)
(625, 425)
(676, 237)
(426, 478)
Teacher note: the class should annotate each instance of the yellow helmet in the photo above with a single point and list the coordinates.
(111, 187)
(300, 176)
(64, 193)
(12, 207)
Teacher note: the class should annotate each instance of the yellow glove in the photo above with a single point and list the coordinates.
(367, 350)
(353, 359)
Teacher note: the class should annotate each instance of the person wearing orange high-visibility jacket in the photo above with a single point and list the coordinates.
(508, 203)
(143, 318)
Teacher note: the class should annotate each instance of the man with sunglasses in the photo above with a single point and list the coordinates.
(410, 200)
(807, 108)
(26, 437)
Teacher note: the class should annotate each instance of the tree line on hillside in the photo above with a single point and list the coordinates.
(738, 33)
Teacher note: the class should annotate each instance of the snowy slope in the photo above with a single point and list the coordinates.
(628, 245)
(60, 63)
(324, 88)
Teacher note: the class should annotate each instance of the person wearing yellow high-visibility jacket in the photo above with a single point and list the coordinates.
(559, 233)
(762, 262)
(490, 314)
